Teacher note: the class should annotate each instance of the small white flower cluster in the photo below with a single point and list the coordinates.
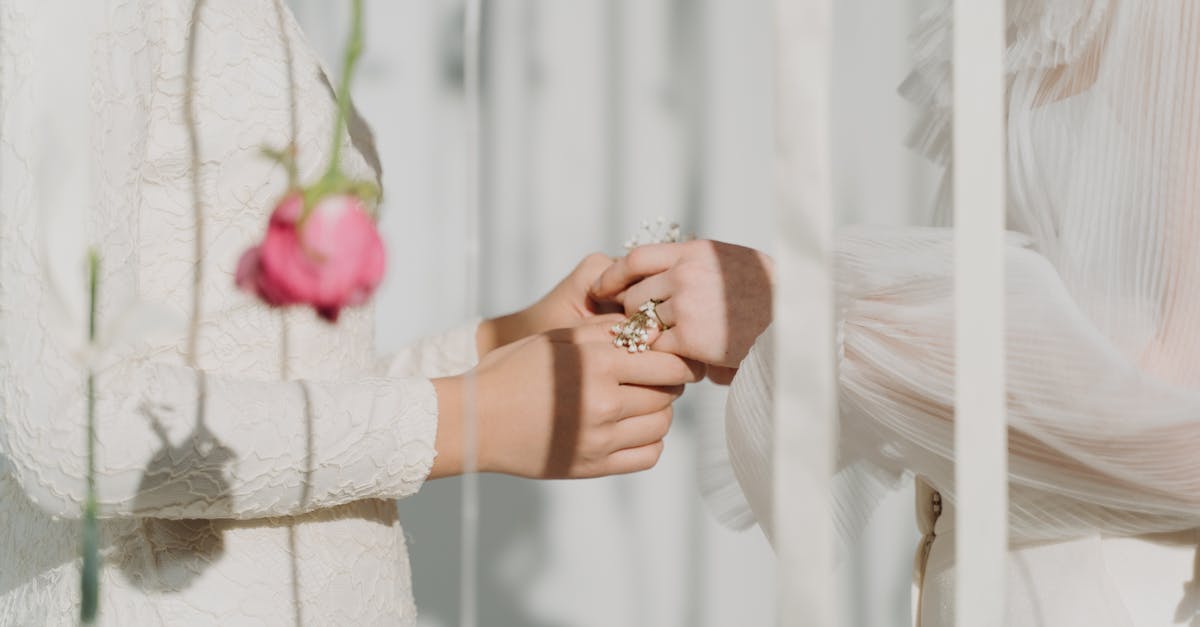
(660, 232)
(634, 333)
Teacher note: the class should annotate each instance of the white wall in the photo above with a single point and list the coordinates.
(602, 113)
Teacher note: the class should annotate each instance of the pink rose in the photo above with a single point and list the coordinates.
(334, 259)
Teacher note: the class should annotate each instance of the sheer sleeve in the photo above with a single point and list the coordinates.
(1095, 443)
(1103, 295)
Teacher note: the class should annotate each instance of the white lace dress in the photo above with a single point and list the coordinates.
(1103, 325)
(258, 489)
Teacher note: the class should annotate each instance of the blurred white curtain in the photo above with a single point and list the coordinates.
(599, 114)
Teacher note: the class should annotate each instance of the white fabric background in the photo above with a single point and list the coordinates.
(601, 113)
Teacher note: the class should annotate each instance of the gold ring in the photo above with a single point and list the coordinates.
(634, 333)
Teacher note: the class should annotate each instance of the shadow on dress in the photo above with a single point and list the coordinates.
(169, 555)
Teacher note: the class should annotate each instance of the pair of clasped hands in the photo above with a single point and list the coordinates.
(555, 399)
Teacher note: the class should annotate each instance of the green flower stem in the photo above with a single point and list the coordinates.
(93, 288)
(354, 49)
(289, 63)
(90, 570)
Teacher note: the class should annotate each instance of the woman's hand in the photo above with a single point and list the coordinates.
(566, 305)
(564, 404)
(716, 297)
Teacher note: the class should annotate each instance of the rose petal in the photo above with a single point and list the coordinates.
(329, 314)
(248, 270)
(333, 260)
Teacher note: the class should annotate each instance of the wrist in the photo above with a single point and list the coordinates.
(450, 442)
(497, 332)
(486, 337)
(449, 439)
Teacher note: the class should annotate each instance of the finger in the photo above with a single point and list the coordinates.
(588, 272)
(642, 261)
(666, 313)
(634, 459)
(657, 287)
(592, 267)
(593, 330)
(721, 375)
(601, 321)
(642, 430)
(597, 306)
(670, 341)
(637, 400)
(656, 368)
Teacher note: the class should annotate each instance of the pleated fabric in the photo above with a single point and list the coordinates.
(1103, 288)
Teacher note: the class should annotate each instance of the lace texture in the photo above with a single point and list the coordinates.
(256, 488)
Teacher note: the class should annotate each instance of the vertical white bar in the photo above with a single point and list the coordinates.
(979, 207)
(472, 181)
(806, 398)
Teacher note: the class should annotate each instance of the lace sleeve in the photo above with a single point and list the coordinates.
(173, 442)
(1095, 443)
